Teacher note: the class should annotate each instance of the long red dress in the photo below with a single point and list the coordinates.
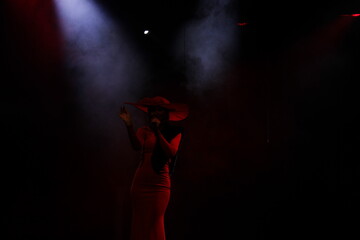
(150, 191)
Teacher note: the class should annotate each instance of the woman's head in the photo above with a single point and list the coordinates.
(157, 105)
(161, 113)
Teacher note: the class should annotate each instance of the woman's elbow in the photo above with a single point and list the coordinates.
(172, 153)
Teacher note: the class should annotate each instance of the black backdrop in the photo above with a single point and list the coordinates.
(270, 152)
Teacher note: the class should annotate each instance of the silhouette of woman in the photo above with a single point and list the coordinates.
(158, 144)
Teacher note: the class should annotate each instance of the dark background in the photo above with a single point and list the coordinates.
(271, 152)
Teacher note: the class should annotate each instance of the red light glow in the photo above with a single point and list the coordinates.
(351, 15)
(242, 24)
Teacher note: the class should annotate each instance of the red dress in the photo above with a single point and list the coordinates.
(150, 191)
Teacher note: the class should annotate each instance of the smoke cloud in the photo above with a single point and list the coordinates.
(208, 43)
(104, 67)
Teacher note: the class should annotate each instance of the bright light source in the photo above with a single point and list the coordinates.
(146, 32)
(355, 15)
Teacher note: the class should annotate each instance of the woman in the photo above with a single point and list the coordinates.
(158, 144)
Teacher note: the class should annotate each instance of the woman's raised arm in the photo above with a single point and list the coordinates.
(126, 117)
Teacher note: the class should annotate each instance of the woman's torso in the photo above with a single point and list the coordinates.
(146, 178)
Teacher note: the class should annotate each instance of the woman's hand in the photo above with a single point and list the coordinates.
(154, 124)
(125, 116)
(155, 121)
